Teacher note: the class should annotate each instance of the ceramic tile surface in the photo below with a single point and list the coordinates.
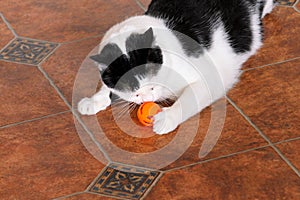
(259, 174)
(62, 21)
(291, 151)
(26, 94)
(6, 34)
(64, 66)
(124, 182)
(286, 2)
(280, 38)
(49, 151)
(44, 159)
(88, 196)
(272, 100)
(27, 51)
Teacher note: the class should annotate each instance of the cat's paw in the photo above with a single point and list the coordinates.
(165, 121)
(88, 106)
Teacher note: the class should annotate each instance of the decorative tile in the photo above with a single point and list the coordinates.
(27, 51)
(286, 2)
(124, 182)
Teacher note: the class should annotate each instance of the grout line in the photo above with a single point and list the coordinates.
(37, 40)
(104, 195)
(97, 177)
(136, 166)
(20, 63)
(91, 135)
(8, 25)
(7, 45)
(217, 158)
(271, 64)
(54, 86)
(67, 196)
(141, 5)
(288, 140)
(74, 113)
(152, 186)
(295, 6)
(82, 39)
(33, 120)
(265, 137)
(50, 54)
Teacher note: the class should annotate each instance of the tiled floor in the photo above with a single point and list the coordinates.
(48, 151)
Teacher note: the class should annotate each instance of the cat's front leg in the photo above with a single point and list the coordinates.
(193, 99)
(99, 101)
(167, 120)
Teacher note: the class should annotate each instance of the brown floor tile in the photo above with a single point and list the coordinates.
(62, 21)
(298, 6)
(87, 196)
(270, 97)
(6, 34)
(26, 94)
(44, 159)
(128, 142)
(237, 135)
(64, 65)
(291, 151)
(281, 38)
(258, 174)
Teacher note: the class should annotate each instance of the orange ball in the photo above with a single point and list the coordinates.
(146, 112)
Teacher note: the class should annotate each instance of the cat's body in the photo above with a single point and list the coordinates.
(190, 49)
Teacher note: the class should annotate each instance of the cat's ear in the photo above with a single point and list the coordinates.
(109, 54)
(140, 41)
(149, 36)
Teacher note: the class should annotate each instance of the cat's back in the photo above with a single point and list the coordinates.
(198, 19)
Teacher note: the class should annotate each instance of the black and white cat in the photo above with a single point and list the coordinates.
(191, 49)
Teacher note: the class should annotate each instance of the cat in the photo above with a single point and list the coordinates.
(192, 50)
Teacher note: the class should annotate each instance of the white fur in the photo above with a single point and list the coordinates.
(197, 82)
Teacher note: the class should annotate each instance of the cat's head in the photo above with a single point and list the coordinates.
(131, 75)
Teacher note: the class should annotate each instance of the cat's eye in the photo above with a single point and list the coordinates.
(137, 95)
(152, 88)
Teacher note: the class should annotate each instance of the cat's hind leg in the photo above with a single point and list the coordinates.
(99, 101)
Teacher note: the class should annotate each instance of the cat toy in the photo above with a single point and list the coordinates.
(146, 112)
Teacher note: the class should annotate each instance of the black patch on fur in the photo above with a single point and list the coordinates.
(192, 29)
(236, 15)
(198, 18)
(142, 59)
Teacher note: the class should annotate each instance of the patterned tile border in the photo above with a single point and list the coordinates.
(286, 2)
(124, 182)
(27, 51)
